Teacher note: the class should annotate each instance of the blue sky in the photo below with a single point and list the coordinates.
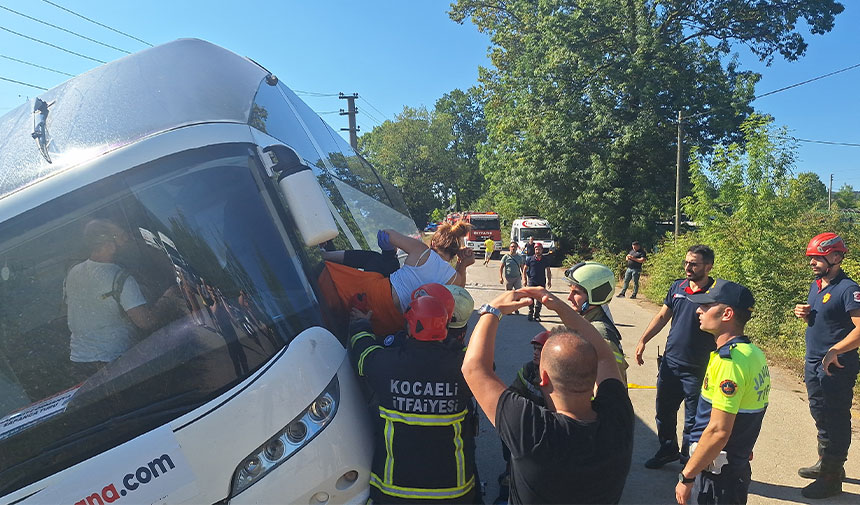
(395, 53)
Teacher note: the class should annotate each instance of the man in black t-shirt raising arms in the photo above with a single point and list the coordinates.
(577, 449)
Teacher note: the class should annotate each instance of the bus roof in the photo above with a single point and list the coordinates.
(176, 84)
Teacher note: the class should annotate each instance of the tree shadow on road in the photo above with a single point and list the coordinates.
(648, 486)
(792, 494)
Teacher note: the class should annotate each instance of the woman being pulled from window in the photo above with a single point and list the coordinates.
(387, 285)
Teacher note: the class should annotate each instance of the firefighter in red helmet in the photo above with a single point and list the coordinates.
(425, 434)
(832, 316)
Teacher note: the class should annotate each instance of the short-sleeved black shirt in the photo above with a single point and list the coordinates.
(529, 248)
(635, 265)
(556, 459)
(536, 272)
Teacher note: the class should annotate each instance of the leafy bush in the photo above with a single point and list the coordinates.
(615, 261)
(751, 211)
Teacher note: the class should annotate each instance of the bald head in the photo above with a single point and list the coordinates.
(570, 361)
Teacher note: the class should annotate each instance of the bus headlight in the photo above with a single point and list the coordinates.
(297, 434)
(321, 408)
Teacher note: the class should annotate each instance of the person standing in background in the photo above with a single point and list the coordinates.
(537, 273)
(635, 258)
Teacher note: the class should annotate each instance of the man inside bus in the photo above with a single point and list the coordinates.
(106, 308)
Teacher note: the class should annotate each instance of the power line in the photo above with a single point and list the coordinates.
(310, 93)
(856, 65)
(372, 118)
(96, 22)
(64, 29)
(35, 65)
(825, 142)
(23, 83)
(807, 81)
(374, 108)
(52, 45)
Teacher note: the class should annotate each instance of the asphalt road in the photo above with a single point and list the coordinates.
(787, 440)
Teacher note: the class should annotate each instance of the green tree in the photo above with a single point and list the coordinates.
(744, 203)
(413, 153)
(469, 129)
(431, 156)
(808, 189)
(582, 101)
(846, 197)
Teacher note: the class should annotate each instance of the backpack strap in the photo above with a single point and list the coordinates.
(116, 289)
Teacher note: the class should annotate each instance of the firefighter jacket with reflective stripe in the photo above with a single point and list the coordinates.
(424, 427)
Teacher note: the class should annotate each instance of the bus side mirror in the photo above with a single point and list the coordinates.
(305, 198)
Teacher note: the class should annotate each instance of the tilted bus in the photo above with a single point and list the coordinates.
(224, 183)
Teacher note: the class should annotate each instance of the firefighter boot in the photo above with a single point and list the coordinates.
(828, 483)
(811, 472)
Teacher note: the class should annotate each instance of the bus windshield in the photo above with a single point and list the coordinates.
(484, 223)
(130, 302)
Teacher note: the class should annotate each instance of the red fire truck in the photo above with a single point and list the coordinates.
(484, 225)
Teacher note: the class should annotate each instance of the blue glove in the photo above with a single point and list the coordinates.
(383, 241)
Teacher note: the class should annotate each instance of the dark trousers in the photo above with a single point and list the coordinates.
(677, 383)
(731, 485)
(536, 305)
(830, 403)
(371, 261)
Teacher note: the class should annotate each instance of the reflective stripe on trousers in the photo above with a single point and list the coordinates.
(421, 493)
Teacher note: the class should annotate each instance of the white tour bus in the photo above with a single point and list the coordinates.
(191, 179)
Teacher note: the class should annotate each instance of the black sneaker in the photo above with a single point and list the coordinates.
(632, 297)
(531, 317)
(666, 454)
(619, 295)
(537, 318)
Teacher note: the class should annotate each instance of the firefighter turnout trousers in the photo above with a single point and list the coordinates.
(424, 426)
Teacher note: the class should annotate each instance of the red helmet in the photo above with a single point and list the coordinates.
(824, 244)
(540, 338)
(426, 319)
(439, 292)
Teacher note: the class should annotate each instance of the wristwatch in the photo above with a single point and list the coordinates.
(489, 309)
(685, 480)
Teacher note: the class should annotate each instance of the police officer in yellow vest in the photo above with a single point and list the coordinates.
(732, 404)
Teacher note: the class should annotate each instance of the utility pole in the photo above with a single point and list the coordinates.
(351, 112)
(830, 194)
(678, 176)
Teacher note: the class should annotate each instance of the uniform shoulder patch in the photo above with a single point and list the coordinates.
(388, 340)
(728, 387)
(856, 296)
(705, 384)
